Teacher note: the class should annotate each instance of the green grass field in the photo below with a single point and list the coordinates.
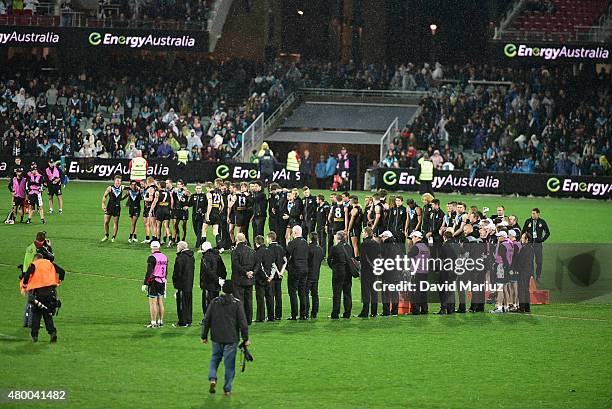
(560, 356)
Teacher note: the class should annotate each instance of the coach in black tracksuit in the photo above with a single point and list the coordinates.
(369, 251)
(263, 275)
(322, 215)
(297, 255)
(339, 257)
(182, 280)
(315, 258)
(537, 229)
(243, 275)
(449, 250)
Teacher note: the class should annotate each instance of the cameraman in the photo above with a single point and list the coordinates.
(41, 279)
(226, 321)
(40, 246)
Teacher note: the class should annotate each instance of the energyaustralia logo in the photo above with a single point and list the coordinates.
(21, 37)
(109, 39)
(552, 53)
(555, 185)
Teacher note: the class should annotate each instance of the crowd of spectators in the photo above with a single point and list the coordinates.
(546, 121)
(113, 115)
(532, 120)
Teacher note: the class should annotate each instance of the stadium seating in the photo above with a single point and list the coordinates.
(560, 23)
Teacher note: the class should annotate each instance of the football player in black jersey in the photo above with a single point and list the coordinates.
(199, 208)
(322, 215)
(355, 224)
(162, 203)
(180, 210)
(260, 208)
(214, 213)
(134, 197)
(242, 211)
(148, 216)
(112, 209)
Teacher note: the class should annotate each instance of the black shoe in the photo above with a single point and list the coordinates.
(292, 319)
(34, 339)
(213, 387)
(346, 317)
(385, 314)
(373, 315)
(278, 318)
(461, 309)
(333, 317)
(441, 312)
(259, 320)
(304, 318)
(54, 337)
(313, 316)
(362, 314)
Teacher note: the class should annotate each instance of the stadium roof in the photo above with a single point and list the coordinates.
(343, 137)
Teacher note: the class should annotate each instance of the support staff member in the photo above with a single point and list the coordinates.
(426, 174)
(41, 280)
(537, 228)
(155, 284)
(182, 280)
(138, 168)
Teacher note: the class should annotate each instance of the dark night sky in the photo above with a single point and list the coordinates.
(461, 33)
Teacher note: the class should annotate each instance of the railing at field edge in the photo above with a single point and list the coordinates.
(390, 134)
(361, 93)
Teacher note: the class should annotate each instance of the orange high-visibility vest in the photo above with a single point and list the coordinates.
(44, 275)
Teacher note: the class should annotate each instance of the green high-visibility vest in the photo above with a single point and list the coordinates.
(427, 169)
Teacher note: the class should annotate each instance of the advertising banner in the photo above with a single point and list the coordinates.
(106, 169)
(548, 52)
(79, 38)
(501, 183)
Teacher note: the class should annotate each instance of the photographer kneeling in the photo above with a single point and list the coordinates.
(226, 320)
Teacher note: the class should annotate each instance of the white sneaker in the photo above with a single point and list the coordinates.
(145, 241)
(104, 239)
(130, 240)
(113, 240)
(50, 211)
(497, 311)
(61, 211)
(151, 326)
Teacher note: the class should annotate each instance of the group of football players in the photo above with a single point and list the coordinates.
(27, 191)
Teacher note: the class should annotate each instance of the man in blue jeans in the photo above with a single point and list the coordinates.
(226, 321)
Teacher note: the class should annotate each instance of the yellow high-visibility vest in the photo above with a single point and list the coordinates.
(138, 171)
(427, 169)
(292, 162)
(183, 156)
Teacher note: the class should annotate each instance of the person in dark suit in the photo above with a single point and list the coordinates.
(390, 249)
(243, 274)
(279, 256)
(315, 258)
(264, 261)
(182, 280)
(338, 259)
(449, 250)
(209, 274)
(370, 250)
(297, 256)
